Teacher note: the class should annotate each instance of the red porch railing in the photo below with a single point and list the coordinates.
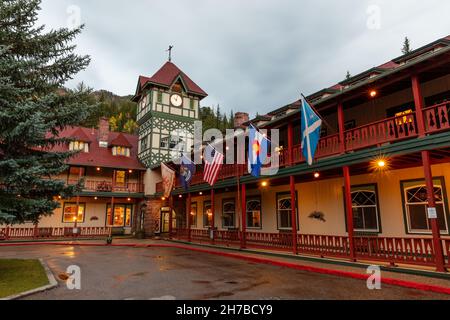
(380, 132)
(108, 186)
(436, 117)
(414, 251)
(7, 233)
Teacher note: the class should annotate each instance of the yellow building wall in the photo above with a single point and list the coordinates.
(327, 196)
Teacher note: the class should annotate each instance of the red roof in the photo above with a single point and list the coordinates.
(388, 65)
(102, 157)
(167, 75)
(120, 141)
(80, 135)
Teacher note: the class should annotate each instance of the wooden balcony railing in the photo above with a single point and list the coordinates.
(370, 135)
(108, 186)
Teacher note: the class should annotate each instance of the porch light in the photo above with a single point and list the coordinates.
(180, 196)
(373, 93)
(201, 193)
(380, 164)
(95, 198)
(59, 197)
(99, 169)
(129, 199)
(317, 175)
(264, 184)
(130, 171)
(163, 198)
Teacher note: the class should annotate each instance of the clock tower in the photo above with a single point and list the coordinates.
(168, 104)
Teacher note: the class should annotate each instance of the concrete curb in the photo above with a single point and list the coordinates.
(51, 280)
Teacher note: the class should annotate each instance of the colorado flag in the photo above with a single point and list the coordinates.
(257, 153)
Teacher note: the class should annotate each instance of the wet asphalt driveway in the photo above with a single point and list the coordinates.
(154, 273)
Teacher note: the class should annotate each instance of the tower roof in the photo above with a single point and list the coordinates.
(166, 77)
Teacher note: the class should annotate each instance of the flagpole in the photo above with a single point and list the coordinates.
(318, 114)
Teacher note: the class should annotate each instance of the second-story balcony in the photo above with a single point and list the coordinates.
(375, 134)
(109, 186)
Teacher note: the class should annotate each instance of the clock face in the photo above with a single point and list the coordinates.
(176, 100)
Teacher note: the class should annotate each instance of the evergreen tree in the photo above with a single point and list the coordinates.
(34, 107)
(406, 46)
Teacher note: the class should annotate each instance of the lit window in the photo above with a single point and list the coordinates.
(416, 206)
(193, 215)
(122, 215)
(120, 178)
(207, 214)
(121, 151)
(254, 213)
(79, 146)
(228, 213)
(404, 117)
(70, 212)
(365, 209)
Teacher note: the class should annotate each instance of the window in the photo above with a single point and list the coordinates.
(254, 212)
(365, 208)
(207, 214)
(284, 205)
(404, 117)
(122, 215)
(193, 215)
(144, 144)
(172, 142)
(191, 104)
(416, 206)
(79, 146)
(121, 151)
(228, 213)
(351, 124)
(160, 97)
(120, 180)
(70, 212)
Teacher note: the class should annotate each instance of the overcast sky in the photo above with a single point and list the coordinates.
(249, 55)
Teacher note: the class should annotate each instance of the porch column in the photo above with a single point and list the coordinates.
(293, 215)
(418, 102)
(111, 219)
(188, 217)
(244, 216)
(341, 123)
(437, 243)
(349, 211)
(213, 218)
(290, 144)
(170, 216)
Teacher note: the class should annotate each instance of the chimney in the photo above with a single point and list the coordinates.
(103, 132)
(240, 118)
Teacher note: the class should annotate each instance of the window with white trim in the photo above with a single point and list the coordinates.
(416, 206)
(229, 213)
(121, 151)
(365, 208)
(253, 209)
(79, 146)
(284, 211)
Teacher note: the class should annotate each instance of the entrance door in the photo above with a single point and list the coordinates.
(165, 219)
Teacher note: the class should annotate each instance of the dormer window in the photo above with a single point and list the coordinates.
(79, 146)
(121, 151)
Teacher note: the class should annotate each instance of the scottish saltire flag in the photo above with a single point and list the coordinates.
(187, 171)
(213, 164)
(311, 124)
(257, 153)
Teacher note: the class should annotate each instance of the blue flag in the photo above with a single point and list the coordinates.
(257, 152)
(187, 172)
(311, 124)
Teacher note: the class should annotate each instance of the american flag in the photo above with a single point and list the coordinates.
(213, 164)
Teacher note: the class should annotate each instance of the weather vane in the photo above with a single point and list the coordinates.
(170, 53)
